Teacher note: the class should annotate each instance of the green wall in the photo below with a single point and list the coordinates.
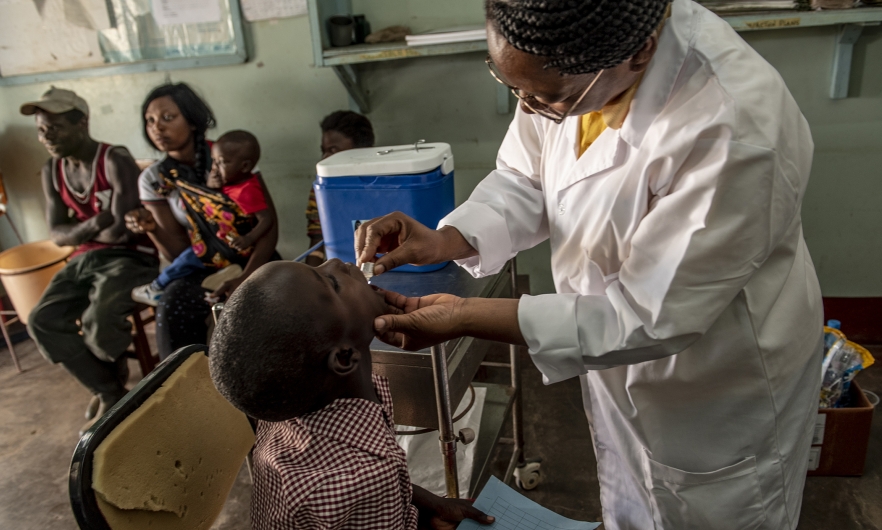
(280, 96)
(841, 213)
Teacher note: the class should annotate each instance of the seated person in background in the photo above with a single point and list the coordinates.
(292, 349)
(89, 186)
(341, 131)
(234, 157)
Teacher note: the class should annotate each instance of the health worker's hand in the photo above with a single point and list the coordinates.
(389, 295)
(424, 321)
(404, 240)
(140, 221)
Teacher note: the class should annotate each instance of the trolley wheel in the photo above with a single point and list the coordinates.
(527, 476)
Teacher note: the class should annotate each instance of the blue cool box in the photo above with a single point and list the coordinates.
(360, 184)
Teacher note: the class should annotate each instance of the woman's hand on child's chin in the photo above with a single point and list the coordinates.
(389, 298)
(418, 322)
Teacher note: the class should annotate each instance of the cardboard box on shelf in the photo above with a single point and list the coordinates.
(839, 445)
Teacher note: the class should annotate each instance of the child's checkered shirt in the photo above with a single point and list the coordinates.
(339, 468)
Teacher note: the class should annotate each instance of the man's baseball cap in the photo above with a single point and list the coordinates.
(57, 101)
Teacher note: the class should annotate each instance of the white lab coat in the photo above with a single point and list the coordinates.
(687, 300)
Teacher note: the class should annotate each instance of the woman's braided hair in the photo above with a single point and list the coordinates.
(577, 36)
(203, 157)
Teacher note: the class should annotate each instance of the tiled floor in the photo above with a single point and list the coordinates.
(41, 410)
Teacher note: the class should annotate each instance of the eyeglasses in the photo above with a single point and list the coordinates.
(535, 107)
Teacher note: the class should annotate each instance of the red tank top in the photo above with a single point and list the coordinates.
(95, 198)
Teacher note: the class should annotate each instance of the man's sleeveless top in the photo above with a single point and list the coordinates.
(96, 197)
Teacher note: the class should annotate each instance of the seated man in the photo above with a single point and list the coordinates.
(341, 131)
(234, 158)
(292, 349)
(89, 186)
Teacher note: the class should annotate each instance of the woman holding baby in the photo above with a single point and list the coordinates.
(186, 216)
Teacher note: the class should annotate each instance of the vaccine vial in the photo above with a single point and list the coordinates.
(367, 268)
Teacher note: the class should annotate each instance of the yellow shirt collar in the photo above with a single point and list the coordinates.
(615, 112)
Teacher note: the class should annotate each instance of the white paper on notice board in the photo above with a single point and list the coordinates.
(255, 10)
(171, 12)
(48, 36)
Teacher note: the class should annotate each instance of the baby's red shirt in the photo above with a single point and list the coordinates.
(248, 195)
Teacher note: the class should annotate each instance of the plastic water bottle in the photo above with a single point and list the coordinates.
(830, 338)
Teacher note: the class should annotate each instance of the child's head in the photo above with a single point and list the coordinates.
(293, 338)
(234, 156)
(344, 130)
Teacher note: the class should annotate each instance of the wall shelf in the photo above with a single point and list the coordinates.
(368, 53)
(804, 19)
(345, 59)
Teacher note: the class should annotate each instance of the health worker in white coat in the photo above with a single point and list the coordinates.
(666, 161)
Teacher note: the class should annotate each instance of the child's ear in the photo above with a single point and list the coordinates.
(343, 361)
(247, 166)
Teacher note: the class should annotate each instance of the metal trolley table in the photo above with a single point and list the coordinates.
(426, 383)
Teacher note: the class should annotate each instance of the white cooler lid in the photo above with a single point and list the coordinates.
(389, 160)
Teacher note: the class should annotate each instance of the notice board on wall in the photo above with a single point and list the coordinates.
(40, 36)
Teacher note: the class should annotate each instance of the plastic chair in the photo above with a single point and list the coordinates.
(165, 456)
(26, 271)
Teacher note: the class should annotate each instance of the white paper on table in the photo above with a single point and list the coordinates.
(171, 12)
(446, 36)
(269, 9)
(424, 462)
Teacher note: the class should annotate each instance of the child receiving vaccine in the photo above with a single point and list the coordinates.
(292, 349)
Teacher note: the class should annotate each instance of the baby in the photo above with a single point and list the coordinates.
(292, 349)
(234, 157)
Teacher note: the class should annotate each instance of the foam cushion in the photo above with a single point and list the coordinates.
(171, 464)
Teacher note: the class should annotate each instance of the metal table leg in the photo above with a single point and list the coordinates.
(447, 438)
(517, 457)
(526, 473)
(516, 409)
